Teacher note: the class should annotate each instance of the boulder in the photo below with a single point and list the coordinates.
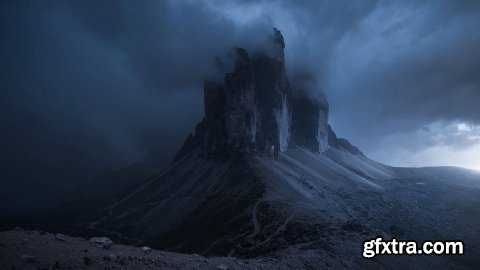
(60, 237)
(222, 267)
(105, 242)
(146, 249)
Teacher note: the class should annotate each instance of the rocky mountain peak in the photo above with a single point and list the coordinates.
(278, 37)
(255, 110)
(276, 48)
(242, 61)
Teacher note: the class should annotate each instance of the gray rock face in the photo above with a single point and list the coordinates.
(254, 110)
(211, 133)
(240, 109)
(273, 94)
(341, 143)
(310, 124)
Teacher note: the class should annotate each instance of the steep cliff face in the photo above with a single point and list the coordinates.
(240, 109)
(255, 109)
(310, 124)
(272, 93)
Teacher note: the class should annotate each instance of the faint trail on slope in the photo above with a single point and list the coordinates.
(276, 232)
(256, 226)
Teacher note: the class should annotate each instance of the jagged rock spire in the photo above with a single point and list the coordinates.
(276, 51)
(252, 109)
(278, 37)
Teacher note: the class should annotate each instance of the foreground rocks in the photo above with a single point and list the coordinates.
(49, 251)
(44, 251)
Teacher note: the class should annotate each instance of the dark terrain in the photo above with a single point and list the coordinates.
(264, 178)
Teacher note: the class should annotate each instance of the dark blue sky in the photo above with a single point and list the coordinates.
(94, 85)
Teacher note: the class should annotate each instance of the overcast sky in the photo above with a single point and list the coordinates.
(94, 85)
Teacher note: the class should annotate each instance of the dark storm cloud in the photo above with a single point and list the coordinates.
(76, 102)
(405, 66)
(93, 85)
(172, 45)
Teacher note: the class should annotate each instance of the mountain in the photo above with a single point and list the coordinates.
(265, 174)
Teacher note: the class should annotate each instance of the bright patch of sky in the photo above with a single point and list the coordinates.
(435, 144)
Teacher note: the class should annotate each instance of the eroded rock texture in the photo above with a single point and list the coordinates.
(255, 109)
